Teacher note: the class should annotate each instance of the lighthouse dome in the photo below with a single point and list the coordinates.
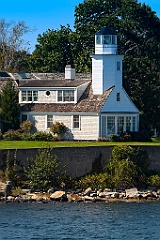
(106, 31)
(106, 41)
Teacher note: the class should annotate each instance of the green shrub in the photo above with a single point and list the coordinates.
(42, 136)
(58, 128)
(125, 137)
(113, 138)
(26, 136)
(12, 135)
(26, 126)
(95, 181)
(154, 181)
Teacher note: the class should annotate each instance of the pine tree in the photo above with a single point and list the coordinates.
(10, 113)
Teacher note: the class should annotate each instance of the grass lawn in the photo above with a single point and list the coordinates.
(42, 144)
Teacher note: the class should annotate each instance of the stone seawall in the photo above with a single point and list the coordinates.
(76, 161)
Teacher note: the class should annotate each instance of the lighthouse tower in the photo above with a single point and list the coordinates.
(106, 63)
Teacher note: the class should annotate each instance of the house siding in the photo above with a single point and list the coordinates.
(81, 89)
(43, 98)
(124, 105)
(88, 130)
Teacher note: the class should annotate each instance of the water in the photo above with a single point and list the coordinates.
(80, 221)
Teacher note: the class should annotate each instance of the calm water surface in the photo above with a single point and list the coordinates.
(77, 221)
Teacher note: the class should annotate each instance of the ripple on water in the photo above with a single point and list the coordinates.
(80, 221)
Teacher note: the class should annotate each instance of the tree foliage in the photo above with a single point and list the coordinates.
(13, 52)
(127, 167)
(43, 170)
(10, 107)
(53, 51)
(58, 128)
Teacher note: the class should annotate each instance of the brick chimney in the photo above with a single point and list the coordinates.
(69, 72)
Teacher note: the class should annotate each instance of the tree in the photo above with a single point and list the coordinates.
(127, 167)
(10, 113)
(53, 51)
(43, 170)
(11, 43)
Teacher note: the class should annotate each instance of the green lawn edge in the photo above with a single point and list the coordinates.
(43, 144)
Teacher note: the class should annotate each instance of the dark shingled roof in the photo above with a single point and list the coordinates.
(87, 103)
(50, 83)
(106, 31)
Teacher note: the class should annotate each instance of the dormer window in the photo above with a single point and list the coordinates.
(29, 96)
(65, 96)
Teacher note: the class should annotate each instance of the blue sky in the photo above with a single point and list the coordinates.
(41, 15)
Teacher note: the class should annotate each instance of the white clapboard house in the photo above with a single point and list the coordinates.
(90, 106)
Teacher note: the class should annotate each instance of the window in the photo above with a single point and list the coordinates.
(48, 93)
(110, 125)
(134, 124)
(59, 96)
(118, 66)
(118, 97)
(103, 126)
(29, 96)
(120, 124)
(35, 96)
(66, 96)
(114, 39)
(24, 96)
(98, 39)
(76, 122)
(106, 39)
(128, 123)
(49, 120)
(23, 118)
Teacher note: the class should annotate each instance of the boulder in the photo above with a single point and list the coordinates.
(10, 198)
(131, 193)
(59, 196)
(36, 198)
(74, 198)
(87, 191)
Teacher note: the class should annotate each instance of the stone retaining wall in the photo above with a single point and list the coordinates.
(77, 161)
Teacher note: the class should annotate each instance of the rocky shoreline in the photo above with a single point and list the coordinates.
(88, 195)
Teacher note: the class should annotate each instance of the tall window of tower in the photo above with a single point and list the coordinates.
(118, 66)
(118, 97)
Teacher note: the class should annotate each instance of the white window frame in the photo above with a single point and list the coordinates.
(32, 94)
(49, 121)
(62, 98)
(79, 122)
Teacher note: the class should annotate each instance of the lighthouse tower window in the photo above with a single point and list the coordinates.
(98, 39)
(106, 39)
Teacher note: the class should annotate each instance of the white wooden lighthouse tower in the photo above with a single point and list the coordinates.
(106, 63)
